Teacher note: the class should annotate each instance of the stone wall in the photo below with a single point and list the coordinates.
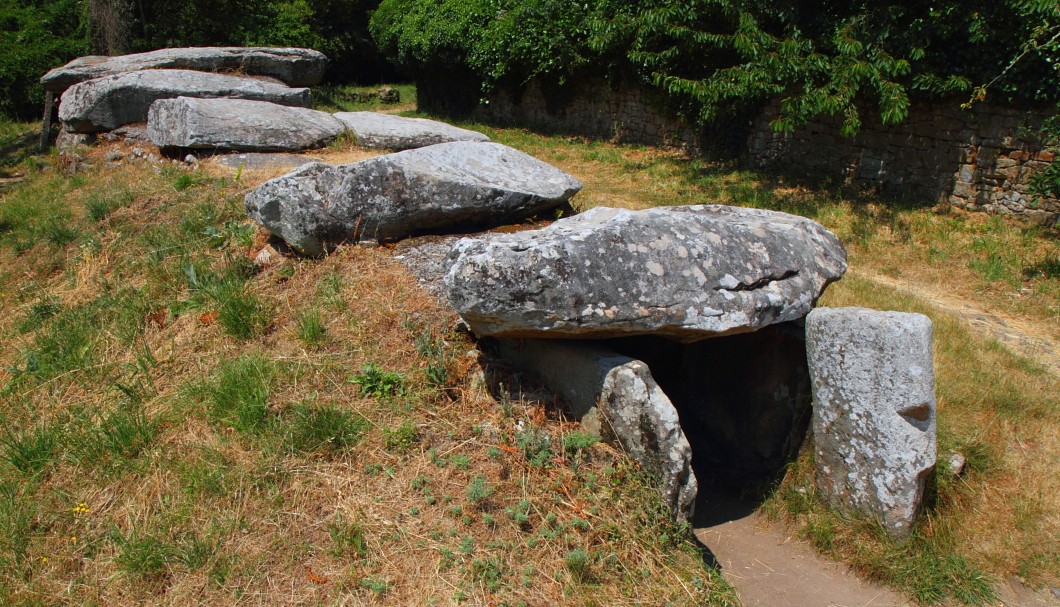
(621, 114)
(979, 160)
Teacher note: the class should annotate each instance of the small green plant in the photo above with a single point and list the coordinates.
(101, 204)
(125, 434)
(373, 381)
(579, 565)
(347, 538)
(18, 513)
(144, 555)
(536, 446)
(479, 490)
(238, 395)
(460, 461)
(241, 313)
(520, 514)
(311, 329)
(401, 439)
(185, 181)
(39, 313)
(576, 443)
(379, 587)
(326, 428)
(31, 451)
(490, 571)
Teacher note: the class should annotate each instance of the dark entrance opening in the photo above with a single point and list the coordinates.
(744, 403)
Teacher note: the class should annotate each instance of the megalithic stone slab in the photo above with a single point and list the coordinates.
(389, 132)
(874, 411)
(107, 103)
(436, 188)
(617, 398)
(688, 273)
(292, 66)
(238, 124)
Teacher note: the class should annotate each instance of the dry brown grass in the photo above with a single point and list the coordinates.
(209, 514)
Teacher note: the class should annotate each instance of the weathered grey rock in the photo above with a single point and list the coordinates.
(685, 272)
(874, 410)
(238, 124)
(293, 66)
(262, 160)
(107, 103)
(389, 132)
(444, 186)
(615, 397)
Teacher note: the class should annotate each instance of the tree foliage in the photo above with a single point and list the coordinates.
(712, 57)
(35, 37)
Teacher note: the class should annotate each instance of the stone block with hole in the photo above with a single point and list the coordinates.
(874, 411)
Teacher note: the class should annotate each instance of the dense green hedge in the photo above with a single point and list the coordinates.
(712, 57)
(35, 37)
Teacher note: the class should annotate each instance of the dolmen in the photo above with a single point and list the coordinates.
(693, 330)
(442, 187)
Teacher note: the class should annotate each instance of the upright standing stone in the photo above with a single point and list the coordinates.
(874, 411)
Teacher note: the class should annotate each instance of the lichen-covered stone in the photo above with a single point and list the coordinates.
(874, 410)
(685, 272)
(389, 132)
(238, 124)
(293, 66)
(107, 103)
(615, 396)
(439, 187)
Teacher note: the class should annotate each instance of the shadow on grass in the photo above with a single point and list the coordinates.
(16, 146)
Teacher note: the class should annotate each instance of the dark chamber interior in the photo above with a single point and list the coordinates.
(744, 402)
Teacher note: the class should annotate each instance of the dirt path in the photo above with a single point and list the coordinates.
(1023, 337)
(770, 568)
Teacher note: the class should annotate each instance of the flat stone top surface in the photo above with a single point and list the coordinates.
(374, 129)
(294, 66)
(686, 272)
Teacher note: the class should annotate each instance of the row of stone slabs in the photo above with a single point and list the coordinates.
(654, 325)
(259, 104)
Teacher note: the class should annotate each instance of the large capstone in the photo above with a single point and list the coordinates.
(107, 103)
(684, 272)
(616, 397)
(238, 124)
(389, 132)
(442, 187)
(293, 66)
(874, 411)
